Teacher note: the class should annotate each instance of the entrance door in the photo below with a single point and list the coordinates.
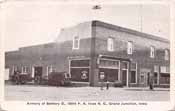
(38, 71)
(124, 67)
(124, 77)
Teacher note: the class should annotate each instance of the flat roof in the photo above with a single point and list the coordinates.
(134, 32)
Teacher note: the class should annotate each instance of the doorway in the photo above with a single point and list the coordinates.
(38, 71)
(124, 72)
(124, 77)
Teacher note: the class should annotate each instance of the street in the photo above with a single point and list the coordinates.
(50, 93)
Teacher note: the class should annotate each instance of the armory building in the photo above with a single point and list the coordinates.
(90, 49)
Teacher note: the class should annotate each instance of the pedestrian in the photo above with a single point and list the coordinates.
(102, 76)
(151, 83)
(107, 85)
(101, 85)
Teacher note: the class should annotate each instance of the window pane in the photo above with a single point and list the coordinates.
(130, 48)
(80, 74)
(133, 66)
(124, 65)
(76, 42)
(80, 63)
(108, 63)
(164, 78)
(110, 74)
(166, 55)
(152, 52)
(142, 79)
(156, 68)
(110, 44)
(164, 69)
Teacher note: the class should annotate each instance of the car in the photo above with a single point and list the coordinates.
(59, 79)
(21, 78)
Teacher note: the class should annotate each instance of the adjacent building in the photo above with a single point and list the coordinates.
(91, 49)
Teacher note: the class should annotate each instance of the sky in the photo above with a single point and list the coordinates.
(34, 23)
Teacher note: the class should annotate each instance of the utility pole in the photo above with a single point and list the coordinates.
(94, 71)
(141, 17)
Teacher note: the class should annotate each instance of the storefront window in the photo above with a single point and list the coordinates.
(25, 69)
(124, 65)
(109, 64)
(111, 75)
(79, 70)
(164, 69)
(164, 78)
(50, 69)
(79, 63)
(164, 75)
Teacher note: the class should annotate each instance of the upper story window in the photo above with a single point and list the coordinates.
(166, 54)
(110, 44)
(152, 52)
(76, 42)
(130, 47)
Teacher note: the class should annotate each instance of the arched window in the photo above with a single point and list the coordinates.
(110, 44)
(166, 57)
(152, 52)
(130, 47)
(76, 42)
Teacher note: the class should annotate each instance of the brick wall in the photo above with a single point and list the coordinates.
(141, 47)
(55, 54)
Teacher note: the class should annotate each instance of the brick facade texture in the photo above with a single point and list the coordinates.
(93, 42)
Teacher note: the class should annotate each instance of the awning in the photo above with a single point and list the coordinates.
(114, 57)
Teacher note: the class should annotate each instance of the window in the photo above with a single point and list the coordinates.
(50, 69)
(14, 70)
(164, 69)
(124, 65)
(79, 63)
(152, 52)
(166, 54)
(79, 70)
(109, 64)
(24, 69)
(156, 68)
(142, 79)
(130, 47)
(76, 42)
(110, 44)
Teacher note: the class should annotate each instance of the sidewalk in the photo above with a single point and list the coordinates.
(146, 89)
